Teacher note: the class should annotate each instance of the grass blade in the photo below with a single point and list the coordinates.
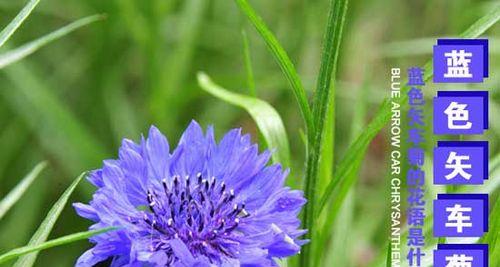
(323, 101)
(345, 174)
(18, 252)
(492, 238)
(283, 60)
(17, 21)
(45, 228)
(340, 235)
(56, 127)
(388, 260)
(25, 50)
(490, 187)
(16, 229)
(122, 115)
(248, 64)
(18, 191)
(351, 161)
(483, 24)
(172, 73)
(134, 21)
(12, 139)
(264, 115)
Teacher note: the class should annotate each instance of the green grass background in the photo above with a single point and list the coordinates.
(73, 101)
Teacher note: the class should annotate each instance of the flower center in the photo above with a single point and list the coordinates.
(202, 213)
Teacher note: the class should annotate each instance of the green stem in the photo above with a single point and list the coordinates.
(283, 61)
(324, 98)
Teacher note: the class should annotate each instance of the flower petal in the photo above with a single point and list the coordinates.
(158, 152)
(86, 211)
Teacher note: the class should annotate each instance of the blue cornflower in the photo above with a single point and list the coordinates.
(204, 204)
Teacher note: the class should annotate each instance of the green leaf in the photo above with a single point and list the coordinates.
(54, 124)
(327, 157)
(324, 99)
(248, 64)
(283, 60)
(345, 174)
(18, 252)
(339, 234)
(13, 138)
(8, 201)
(355, 154)
(351, 162)
(56, 127)
(264, 115)
(122, 114)
(25, 215)
(388, 260)
(17, 21)
(495, 162)
(23, 51)
(492, 238)
(165, 102)
(483, 24)
(489, 187)
(48, 223)
(134, 21)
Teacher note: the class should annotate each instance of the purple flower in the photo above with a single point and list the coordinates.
(204, 204)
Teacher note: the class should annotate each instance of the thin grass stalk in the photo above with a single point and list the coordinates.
(283, 61)
(356, 150)
(324, 97)
(12, 27)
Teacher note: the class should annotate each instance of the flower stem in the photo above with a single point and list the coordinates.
(324, 97)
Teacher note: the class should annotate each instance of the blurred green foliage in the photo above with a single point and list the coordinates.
(73, 101)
